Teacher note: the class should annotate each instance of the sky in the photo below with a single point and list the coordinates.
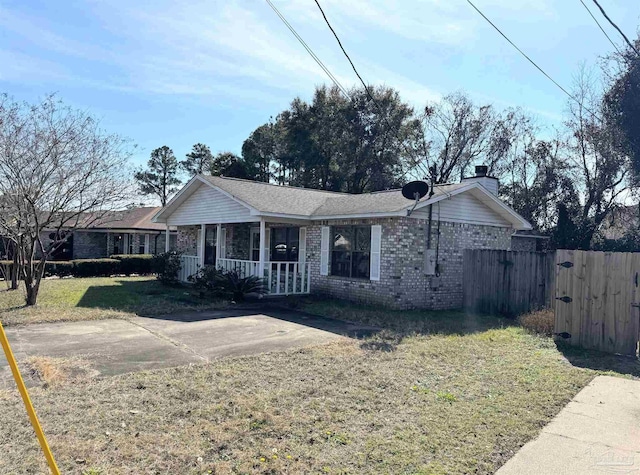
(181, 72)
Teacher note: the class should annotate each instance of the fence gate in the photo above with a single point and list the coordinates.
(507, 282)
(597, 299)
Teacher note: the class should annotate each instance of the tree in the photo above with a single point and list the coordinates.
(230, 165)
(58, 171)
(454, 133)
(258, 152)
(198, 161)
(599, 167)
(334, 143)
(622, 102)
(160, 178)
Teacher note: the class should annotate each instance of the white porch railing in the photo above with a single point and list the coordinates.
(189, 266)
(281, 278)
(288, 278)
(243, 268)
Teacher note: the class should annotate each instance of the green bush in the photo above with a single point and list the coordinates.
(167, 266)
(238, 287)
(59, 268)
(140, 264)
(95, 267)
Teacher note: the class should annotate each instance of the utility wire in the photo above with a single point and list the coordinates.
(309, 50)
(571, 96)
(600, 26)
(366, 88)
(604, 13)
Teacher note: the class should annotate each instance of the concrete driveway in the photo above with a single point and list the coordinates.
(121, 346)
(597, 433)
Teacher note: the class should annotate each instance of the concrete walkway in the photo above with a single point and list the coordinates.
(598, 432)
(122, 346)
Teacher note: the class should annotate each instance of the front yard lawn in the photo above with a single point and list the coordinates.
(461, 399)
(97, 298)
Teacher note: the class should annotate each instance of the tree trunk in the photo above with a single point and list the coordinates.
(15, 266)
(32, 278)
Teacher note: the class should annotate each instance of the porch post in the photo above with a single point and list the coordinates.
(218, 242)
(263, 233)
(166, 242)
(201, 244)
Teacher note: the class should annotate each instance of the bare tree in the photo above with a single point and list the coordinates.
(58, 171)
(451, 135)
(599, 168)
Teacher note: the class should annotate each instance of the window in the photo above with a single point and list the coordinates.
(141, 243)
(210, 245)
(284, 244)
(118, 244)
(351, 251)
(131, 246)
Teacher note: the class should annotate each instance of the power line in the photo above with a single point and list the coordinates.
(600, 26)
(309, 50)
(616, 27)
(571, 96)
(366, 88)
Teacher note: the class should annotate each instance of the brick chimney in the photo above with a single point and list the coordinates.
(488, 182)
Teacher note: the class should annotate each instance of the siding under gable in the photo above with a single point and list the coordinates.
(208, 206)
(463, 208)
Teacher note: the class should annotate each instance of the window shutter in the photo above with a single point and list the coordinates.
(324, 250)
(223, 243)
(302, 245)
(267, 245)
(376, 244)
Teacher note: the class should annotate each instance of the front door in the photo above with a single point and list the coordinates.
(255, 244)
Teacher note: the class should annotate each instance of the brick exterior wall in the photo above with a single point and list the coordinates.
(238, 236)
(88, 245)
(403, 283)
(187, 241)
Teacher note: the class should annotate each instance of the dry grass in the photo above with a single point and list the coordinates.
(98, 298)
(541, 322)
(56, 371)
(441, 403)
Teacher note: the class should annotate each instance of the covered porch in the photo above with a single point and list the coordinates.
(272, 250)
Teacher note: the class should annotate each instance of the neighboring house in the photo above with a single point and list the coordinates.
(528, 240)
(620, 222)
(362, 247)
(128, 231)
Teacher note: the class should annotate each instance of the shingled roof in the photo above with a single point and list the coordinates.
(134, 219)
(270, 198)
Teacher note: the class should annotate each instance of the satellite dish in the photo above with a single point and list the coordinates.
(415, 190)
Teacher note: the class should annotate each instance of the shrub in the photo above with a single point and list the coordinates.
(95, 267)
(541, 321)
(167, 266)
(238, 287)
(209, 281)
(135, 263)
(59, 268)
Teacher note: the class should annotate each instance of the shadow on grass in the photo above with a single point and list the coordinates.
(599, 361)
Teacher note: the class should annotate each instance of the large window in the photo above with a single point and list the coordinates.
(210, 245)
(284, 244)
(351, 251)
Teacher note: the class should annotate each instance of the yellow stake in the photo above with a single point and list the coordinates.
(27, 402)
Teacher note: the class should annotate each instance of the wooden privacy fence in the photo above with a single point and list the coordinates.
(597, 299)
(507, 282)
